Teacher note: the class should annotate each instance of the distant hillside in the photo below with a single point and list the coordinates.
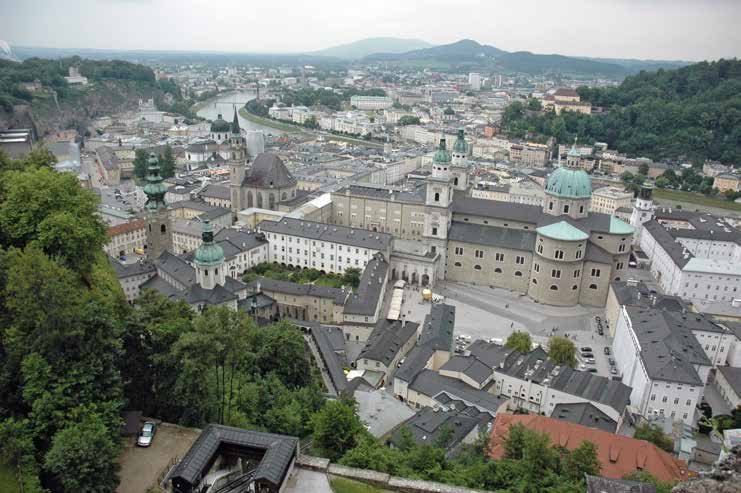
(469, 53)
(692, 113)
(365, 47)
(635, 66)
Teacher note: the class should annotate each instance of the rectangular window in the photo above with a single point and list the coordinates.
(459, 250)
(478, 253)
(595, 272)
(556, 273)
(499, 257)
(558, 254)
(520, 260)
(577, 273)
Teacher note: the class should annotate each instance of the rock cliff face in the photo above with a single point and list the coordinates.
(724, 478)
(80, 106)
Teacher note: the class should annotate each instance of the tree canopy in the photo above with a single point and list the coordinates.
(562, 351)
(519, 341)
(691, 113)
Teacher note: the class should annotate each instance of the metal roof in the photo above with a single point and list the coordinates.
(480, 234)
(562, 231)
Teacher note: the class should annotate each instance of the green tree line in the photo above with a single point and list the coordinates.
(692, 113)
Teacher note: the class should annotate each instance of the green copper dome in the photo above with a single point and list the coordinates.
(562, 231)
(460, 146)
(209, 253)
(220, 125)
(569, 183)
(155, 189)
(442, 155)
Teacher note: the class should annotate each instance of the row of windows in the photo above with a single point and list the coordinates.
(566, 208)
(553, 287)
(676, 400)
(496, 271)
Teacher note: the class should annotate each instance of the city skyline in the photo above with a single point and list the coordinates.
(658, 29)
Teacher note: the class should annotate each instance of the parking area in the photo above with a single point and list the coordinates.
(141, 467)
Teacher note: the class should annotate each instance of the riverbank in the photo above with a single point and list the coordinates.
(296, 129)
(688, 200)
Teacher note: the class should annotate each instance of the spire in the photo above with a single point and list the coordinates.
(155, 189)
(441, 155)
(235, 122)
(460, 145)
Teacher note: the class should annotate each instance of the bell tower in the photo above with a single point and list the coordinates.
(159, 234)
(209, 260)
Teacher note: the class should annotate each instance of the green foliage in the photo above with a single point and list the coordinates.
(337, 428)
(83, 457)
(408, 120)
(652, 433)
(48, 209)
(689, 113)
(647, 477)
(17, 454)
(562, 351)
(351, 277)
(519, 341)
(534, 104)
(140, 163)
(166, 162)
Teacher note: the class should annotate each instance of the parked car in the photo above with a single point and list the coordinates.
(607, 351)
(590, 361)
(587, 355)
(611, 361)
(613, 370)
(586, 349)
(147, 434)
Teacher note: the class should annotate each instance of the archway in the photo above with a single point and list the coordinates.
(271, 201)
(393, 274)
(404, 276)
(259, 199)
(415, 279)
(425, 279)
(249, 199)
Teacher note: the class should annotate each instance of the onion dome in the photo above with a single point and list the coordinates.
(442, 155)
(155, 189)
(209, 253)
(220, 125)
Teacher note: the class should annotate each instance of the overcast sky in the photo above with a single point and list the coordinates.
(658, 29)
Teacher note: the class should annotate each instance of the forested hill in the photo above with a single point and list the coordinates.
(691, 113)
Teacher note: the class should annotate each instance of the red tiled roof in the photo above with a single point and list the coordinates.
(126, 227)
(618, 455)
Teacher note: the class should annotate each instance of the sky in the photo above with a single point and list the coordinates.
(647, 29)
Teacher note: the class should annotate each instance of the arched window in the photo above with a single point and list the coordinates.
(535, 281)
(283, 196)
(497, 270)
(518, 273)
(566, 208)
(163, 229)
(150, 228)
(553, 287)
(477, 267)
(437, 196)
(455, 181)
(259, 199)
(249, 199)
(550, 206)
(592, 286)
(574, 287)
(457, 264)
(271, 199)
(581, 209)
(618, 278)
(578, 254)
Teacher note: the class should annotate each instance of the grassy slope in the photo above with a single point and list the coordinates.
(344, 485)
(696, 198)
(8, 481)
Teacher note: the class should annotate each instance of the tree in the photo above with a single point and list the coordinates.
(83, 457)
(662, 182)
(627, 177)
(141, 162)
(337, 428)
(652, 433)
(581, 461)
(562, 351)
(643, 169)
(167, 163)
(408, 120)
(520, 341)
(534, 104)
(351, 277)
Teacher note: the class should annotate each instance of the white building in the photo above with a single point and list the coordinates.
(659, 357)
(474, 80)
(608, 199)
(325, 247)
(371, 102)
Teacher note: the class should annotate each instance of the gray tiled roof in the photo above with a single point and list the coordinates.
(384, 193)
(469, 366)
(161, 286)
(516, 239)
(640, 295)
(195, 294)
(268, 171)
(293, 288)
(680, 255)
(436, 334)
(535, 366)
(176, 267)
(328, 232)
(372, 282)
(669, 350)
(428, 423)
(387, 339)
(323, 338)
(597, 254)
(586, 414)
(279, 451)
(432, 384)
(129, 270)
(493, 208)
(733, 377)
(216, 191)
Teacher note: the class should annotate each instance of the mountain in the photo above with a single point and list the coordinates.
(364, 47)
(469, 53)
(635, 66)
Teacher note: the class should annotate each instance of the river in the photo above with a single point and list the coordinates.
(225, 105)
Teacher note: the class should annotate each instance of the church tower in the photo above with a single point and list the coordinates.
(159, 234)
(237, 164)
(438, 200)
(568, 190)
(459, 170)
(209, 259)
(643, 210)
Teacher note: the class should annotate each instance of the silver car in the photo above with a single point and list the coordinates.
(147, 434)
